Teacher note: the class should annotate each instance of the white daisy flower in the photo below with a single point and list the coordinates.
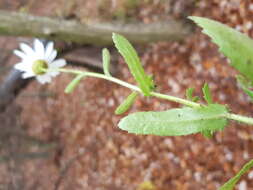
(34, 61)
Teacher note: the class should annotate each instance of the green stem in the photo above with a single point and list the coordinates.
(231, 116)
(240, 118)
(102, 76)
(133, 87)
(175, 99)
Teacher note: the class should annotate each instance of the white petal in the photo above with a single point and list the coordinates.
(27, 49)
(39, 48)
(20, 54)
(30, 60)
(27, 75)
(52, 56)
(58, 63)
(21, 66)
(49, 49)
(54, 73)
(43, 78)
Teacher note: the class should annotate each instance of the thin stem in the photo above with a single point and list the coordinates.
(231, 116)
(133, 87)
(175, 99)
(102, 76)
(77, 72)
(239, 118)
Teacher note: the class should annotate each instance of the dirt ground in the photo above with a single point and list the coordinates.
(75, 138)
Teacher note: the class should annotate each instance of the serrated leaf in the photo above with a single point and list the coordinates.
(126, 104)
(232, 182)
(245, 85)
(106, 61)
(133, 61)
(71, 86)
(236, 46)
(176, 122)
(207, 94)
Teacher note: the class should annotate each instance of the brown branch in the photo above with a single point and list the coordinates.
(20, 24)
(10, 87)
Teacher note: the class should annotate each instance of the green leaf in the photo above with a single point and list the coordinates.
(236, 46)
(207, 94)
(189, 95)
(232, 182)
(208, 99)
(126, 104)
(71, 86)
(207, 133)
(106, 61)
(248, 92)
(245, 85)
(175, 122)
(133, 61)
(195, 99)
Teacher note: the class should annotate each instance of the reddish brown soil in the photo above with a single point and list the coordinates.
(100, 156)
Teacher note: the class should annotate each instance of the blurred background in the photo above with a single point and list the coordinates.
(50, 140)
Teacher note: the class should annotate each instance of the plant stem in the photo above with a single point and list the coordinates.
(175, 99)
(133, 87)
(102, 76)
(240, 118)
(231, 116)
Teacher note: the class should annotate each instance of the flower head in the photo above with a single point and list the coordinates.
(38, 61)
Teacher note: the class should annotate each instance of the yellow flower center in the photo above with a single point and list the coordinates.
(39, 67)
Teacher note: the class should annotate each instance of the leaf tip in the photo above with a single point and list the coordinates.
(122, 125)
(72, 85)
(126, 104)
(115, 35)
(191, 17)
(195, 18)
(106, 58)
(207, 94)
(67, 91)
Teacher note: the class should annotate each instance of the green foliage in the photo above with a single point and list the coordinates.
(208, 98)
(71, 86)
(207, 133)
(126, 104)
(249, 93)
(130, 55)
(207, 94)
(106, 61)
(232, 182)
(245, 85)
(236, 46)
(189, 95)
(175, 122)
